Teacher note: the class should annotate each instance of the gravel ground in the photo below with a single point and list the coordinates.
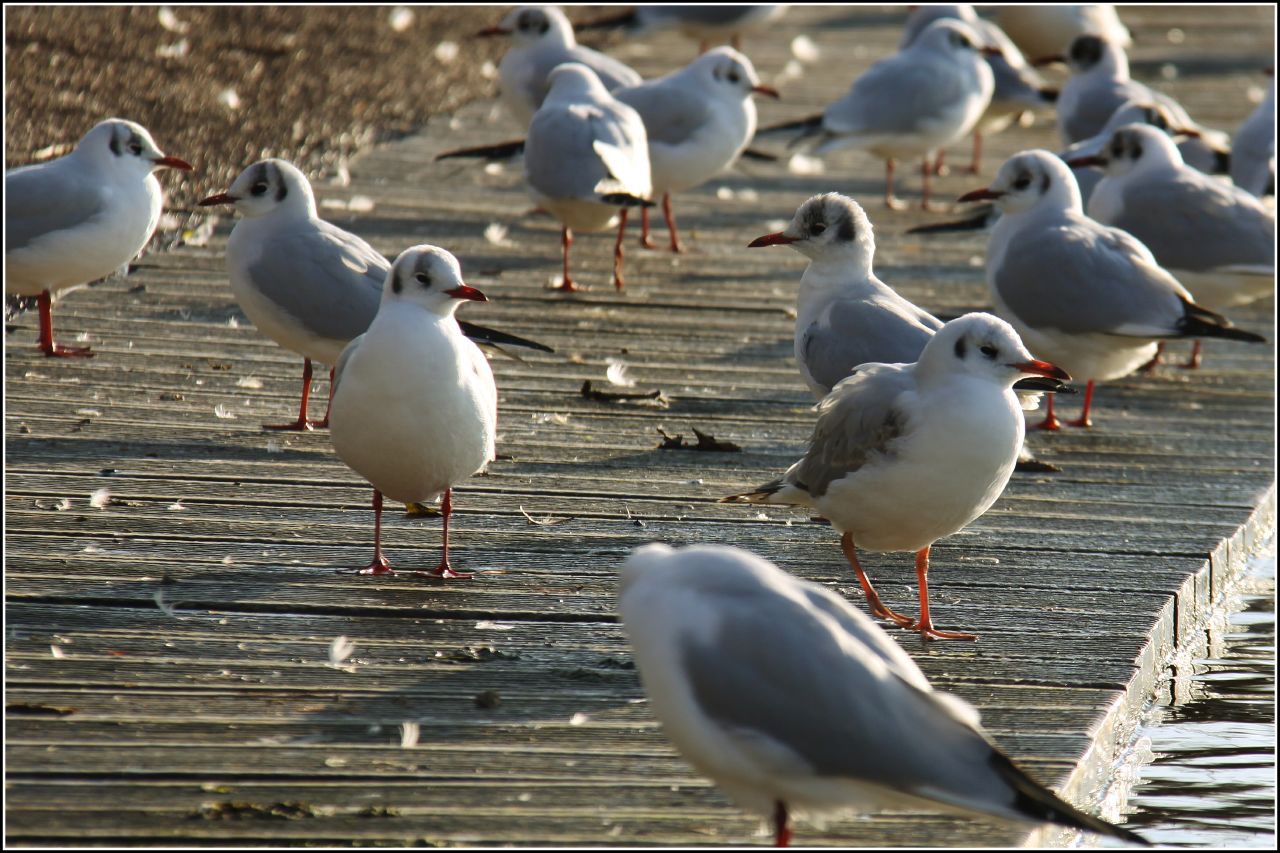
(222, 86)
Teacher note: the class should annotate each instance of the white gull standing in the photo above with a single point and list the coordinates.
(81, 217)
(415, 407)
(1084, 295)
(905, 454)
(911, 104)
(586, 160)
(305, 283)
(794, 702)
(1253, 151)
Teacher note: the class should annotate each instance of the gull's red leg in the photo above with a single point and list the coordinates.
(924, 177)
(45, 343)
(646, 242)
(324, 424)
(781, 825)
(670, 216)
(925, 625)
(975, 165)
(1083, 420)
(444, 570)
(301, 424)
(379, 565)
(1194, 362)
(566, 241)
(618, 283)
(1050, 420)
(1150, 367)
(889, 201)
(873, 599)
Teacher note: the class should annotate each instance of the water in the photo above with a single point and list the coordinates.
(1213, 780)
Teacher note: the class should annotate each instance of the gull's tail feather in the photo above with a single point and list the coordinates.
(758, 495)
(626, 200)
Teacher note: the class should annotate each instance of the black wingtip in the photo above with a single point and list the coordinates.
(973, 223)
(762, 156)
(1200, 322)
(1049, 95)
(798, 124)
(500, 151)
(483, 334)
(626, 200)
(1221, 162)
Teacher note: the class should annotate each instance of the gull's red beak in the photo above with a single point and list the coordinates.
(767, 90)
(1185, 131)
(987, 50)
(777, 239)
(983, 194)
(220, 198)
(466, 291)
(1048, 60)
(174, 163)
(1042, 368)
(493, 31)
(1091, 160)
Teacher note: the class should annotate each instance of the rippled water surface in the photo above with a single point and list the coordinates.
(1213, 781)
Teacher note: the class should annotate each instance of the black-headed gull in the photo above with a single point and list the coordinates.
(905, 454)
(1084, 295)
(910, 104)
(542, 38)
(1047, 28)
(308, 285)
(414, 403)
(81, 217)
(1218, 239)
(793, 702)
(586, 160)
(707, 24)
(1253, 151)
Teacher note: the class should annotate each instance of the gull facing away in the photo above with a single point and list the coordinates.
(415, 407)
(1218, 239)
(707, 24)
(586, 160)
(1048, 28)
(542, 38)
(1085, 295)
(1018, 87)
(905, 454)
(911, 104)
(81, 217)
(793, 702)
(308, 285)
(1253, 151)
(1100, 85)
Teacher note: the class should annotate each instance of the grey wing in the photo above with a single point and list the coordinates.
(1015, 80)
(895, 97)
(671, 113)
(855, 331)
(792, 678)
(1197, 223)
(1082, 277)
(857, 423)
(40, 200)
(559, 159)
(1096, 106)
(329, 280)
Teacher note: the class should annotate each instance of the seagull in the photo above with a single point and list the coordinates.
(1218, 239)
(586, 159)
(1018, 87)
(1100, 84)
(793, 701)
(910, 104)
(1253, 152)
(1081, 294)
(1049, 28)
(705, 23)
(306, 284)
(414, 403)
(542, 38)
(81, 217)
(904, 454)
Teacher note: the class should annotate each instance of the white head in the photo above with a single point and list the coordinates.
(1137, 149)
(1089, 53)
(572, 82)
(828, 227)
(983, 346)
(924, 15)
(535, 25)
(271, 186)
(1030, 180)
(951, 37)
(430, 277)
(724, 72)
(124, 146)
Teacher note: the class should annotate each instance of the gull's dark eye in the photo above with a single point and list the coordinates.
(733, 77)
(259, 188)
(1117, 147)
(817, 228)
(1023, 182)
(989, 351)
(135, 148)
(423, 279)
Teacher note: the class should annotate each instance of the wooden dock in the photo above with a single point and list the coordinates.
(169, 672)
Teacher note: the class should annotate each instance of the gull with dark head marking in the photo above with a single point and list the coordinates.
(910, 104)
(1219, 240)
(415, 407)
(81, 217)
(795, 703)
(542, 38)
(308, 285)
(905, 454)
(586, 160)
(1087, 296)
(1046, 28)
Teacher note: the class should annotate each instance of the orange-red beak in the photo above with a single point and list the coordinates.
(174, 163)
(777, 239)
(767, 90)
(466, 291)
(983, 194)
(493, 31)
(220, 198)
(1042, 368)
(1091, 160)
